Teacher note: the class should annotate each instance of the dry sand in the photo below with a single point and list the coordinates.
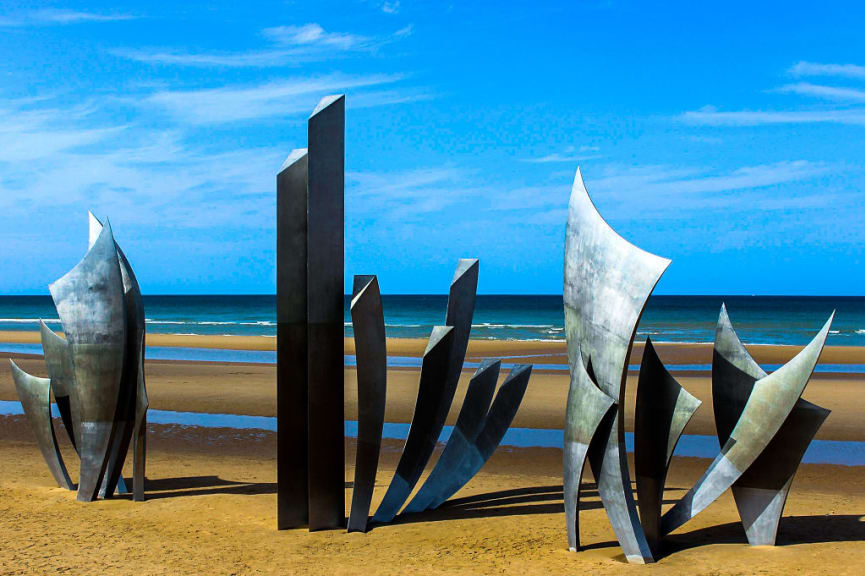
(211, 493)
(211, 510)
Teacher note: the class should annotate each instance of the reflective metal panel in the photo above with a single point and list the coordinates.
(35, 396)
(472, 416)
(426, 423)
(496, 424)
(762, 490)
(90, 303)
(367, 320)
(58, 361)
(607, 281)
(663, 410)
(770, 403)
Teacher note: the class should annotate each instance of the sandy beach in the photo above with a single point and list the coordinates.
(214, 490)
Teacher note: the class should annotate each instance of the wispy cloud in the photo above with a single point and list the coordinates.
(285, 98)
(711, 116)
(49, 17)
(570, 154)
(289, 45)
(391, 7)
(407, 194)
(824, 92)
(817, 69)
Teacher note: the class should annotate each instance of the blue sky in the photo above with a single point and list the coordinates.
(728, 138)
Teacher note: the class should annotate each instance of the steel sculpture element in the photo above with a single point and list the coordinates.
(91, 306)
(496, 424)
(607, 282)
(770, 403)
(471, 418)
(367, 320)
(131, 416)
(663, 410)
(58, 361)
(440, 372)
(310, 246)
(35, 395)
(97, 372)
(761, 492)
(424, 430)
(586, 409)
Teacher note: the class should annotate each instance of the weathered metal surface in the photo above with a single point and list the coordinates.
(470, 420)
(607, 281)
(130, 407)
(587, 407)
(58, 362)
(325, 301)
(367, 320)
(496, 424)
(762, 490)
(292, 343)
(770, 403)
(425, 425)
(663, 410)
(35, 396)
(91, 306)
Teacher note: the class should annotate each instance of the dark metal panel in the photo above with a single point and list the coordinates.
(663, 410)
(292, 343)
(325, 301)
(469, 423)
(35, 396)
(426, 424)
(496, 424)
(607, 281)
(770, 403)
(367, 319)
(91, 306)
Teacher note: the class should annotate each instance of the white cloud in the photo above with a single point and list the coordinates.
(711, 116)
(824, 92)
(285, 98)
(291, 45)
(390, 7)
(59, 17)
(570, 154)
(817, 69)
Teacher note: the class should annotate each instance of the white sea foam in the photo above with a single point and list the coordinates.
(28, 320)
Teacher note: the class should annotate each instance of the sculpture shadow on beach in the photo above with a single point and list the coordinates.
(207, 486)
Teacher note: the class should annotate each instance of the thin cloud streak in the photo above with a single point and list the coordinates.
(711, 116)
(50, 16)
(824, 92)
(285, 98)
(816, 69)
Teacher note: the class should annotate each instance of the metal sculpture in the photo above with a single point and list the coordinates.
(35, 395)
(471, 418)
(438, 385)
(770, 403)
(97, 372)
(310, 238)
(586, 409)
(367, 320)
(496, 424)
(663, 410)
(424, 430)
(761, 492)
(90, 303)
(131, 415)
(607, 282)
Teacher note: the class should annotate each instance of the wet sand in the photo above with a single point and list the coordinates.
(535, 352)
(212, 501)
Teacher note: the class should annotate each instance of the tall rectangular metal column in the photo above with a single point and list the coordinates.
(325, 303)
(292, 342)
